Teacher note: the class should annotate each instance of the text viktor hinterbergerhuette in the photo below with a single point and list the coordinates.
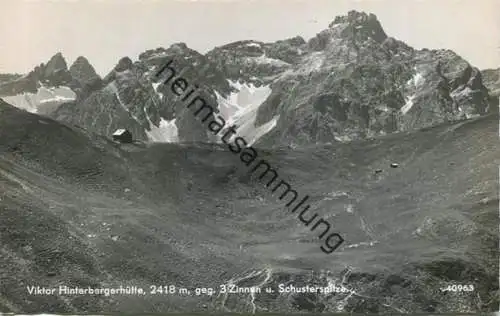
(248, 155)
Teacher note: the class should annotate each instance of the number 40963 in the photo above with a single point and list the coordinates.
(458, 288)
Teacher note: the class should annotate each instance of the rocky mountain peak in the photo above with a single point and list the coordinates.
(181, 49)
(83, 71)
(56, 64)
(353, 17)
(123, 64)
(81, 61)
(54, 73)
(356, 29)
(151, 53)
(178, 48)
(294, 41)
(360, 24)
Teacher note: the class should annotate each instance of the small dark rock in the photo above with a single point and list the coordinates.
(394, 165)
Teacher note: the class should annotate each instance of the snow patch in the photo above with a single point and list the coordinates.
(228, 107)
(383, 108)
(349, 208)
(240, 108)
(463, 93)
(263, 59)
(343, 138)
(335, 195)
(160, 54)
(234, 84)
(262, 130)
(408, 105)
(364, 243)
(34, 102)
(252, 45)
(114, 88)
(166, 132)
(470, 116)
(155, 87)
(417, 80)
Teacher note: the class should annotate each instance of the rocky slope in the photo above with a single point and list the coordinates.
(49, 85)
(79, 210)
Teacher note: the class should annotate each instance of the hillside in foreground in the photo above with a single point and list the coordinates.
(79, 210)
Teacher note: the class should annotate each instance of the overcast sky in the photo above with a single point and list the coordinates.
(104, 31)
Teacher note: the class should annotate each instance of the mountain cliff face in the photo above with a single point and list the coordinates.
(356, 82)
(257, 62)
(350, 81)
(491, 78)
(84, 73)
(49, 85)
(131, 99)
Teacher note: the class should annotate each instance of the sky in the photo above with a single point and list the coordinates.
(107, 30)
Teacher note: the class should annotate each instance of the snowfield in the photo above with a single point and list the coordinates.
(43, 101)
(240, 108)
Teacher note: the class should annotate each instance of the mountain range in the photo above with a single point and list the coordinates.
(350, 81)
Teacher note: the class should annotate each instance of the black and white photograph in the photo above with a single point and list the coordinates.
(249, 157)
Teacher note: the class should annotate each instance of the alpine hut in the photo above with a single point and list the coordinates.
(122, 135)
